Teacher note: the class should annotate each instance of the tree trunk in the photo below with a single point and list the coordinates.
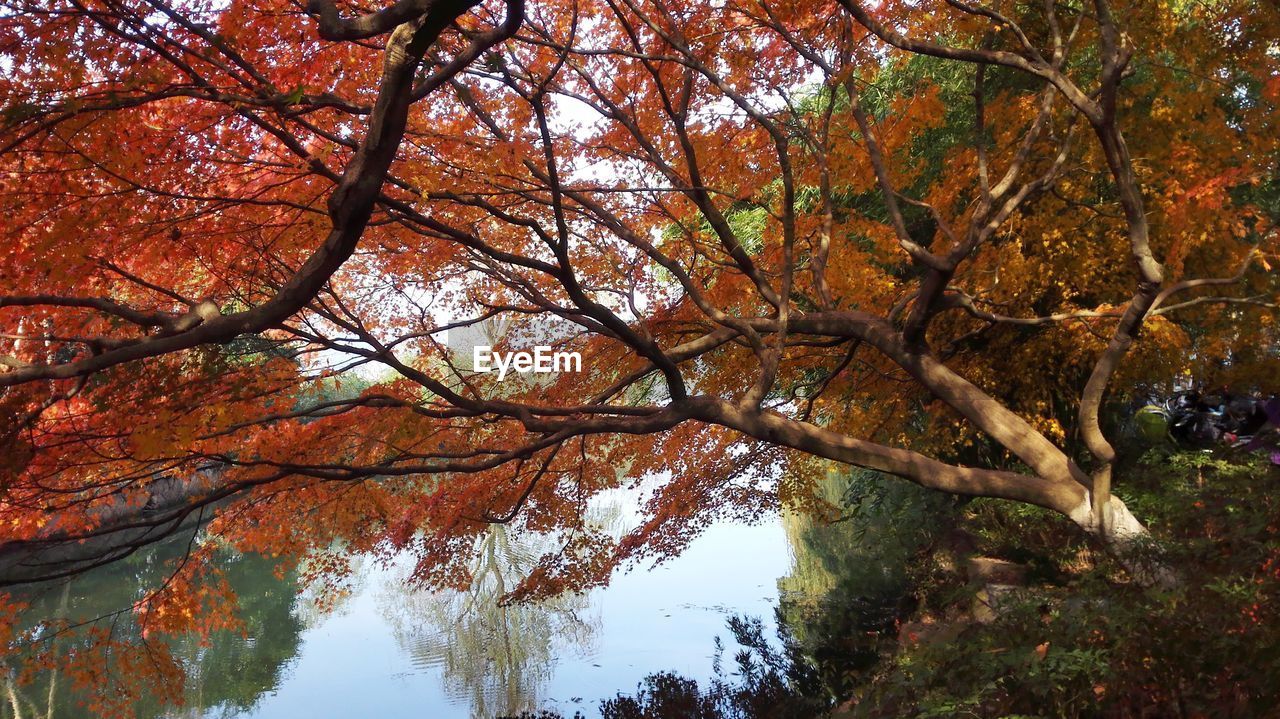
(1127, 539)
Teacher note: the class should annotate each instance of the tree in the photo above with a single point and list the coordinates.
(773, 230)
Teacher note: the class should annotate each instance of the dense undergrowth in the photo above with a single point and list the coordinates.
(1081, 639)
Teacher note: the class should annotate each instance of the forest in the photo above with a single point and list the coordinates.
(455, 327)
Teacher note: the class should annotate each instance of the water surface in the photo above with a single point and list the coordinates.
(389, 650)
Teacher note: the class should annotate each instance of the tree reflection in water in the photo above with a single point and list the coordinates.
(848, 587)
(495, 657)
(837, 616)
(80, 649)
(96, 650)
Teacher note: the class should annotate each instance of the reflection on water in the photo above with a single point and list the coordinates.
(497, 658)
(226, 675)
(390, 650)
(848, 588)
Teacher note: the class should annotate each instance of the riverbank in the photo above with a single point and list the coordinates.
(987, 609)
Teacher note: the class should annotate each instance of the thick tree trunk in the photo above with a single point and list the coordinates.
(1115, 524)
(1126, 538)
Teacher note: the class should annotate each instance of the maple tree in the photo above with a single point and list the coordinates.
(926, 240)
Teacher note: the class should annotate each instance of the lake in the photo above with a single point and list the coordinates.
(388, 650)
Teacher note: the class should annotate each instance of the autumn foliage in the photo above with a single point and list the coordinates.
(935, 240)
